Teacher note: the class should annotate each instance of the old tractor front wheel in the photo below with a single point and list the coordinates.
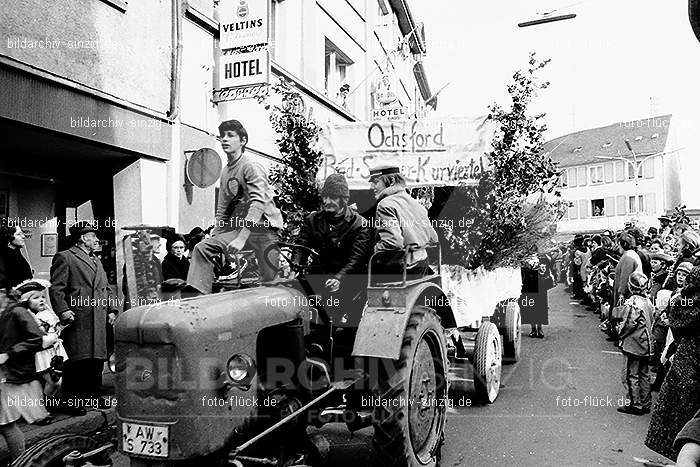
(409, 419)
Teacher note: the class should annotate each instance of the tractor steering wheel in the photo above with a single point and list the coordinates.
(299, 268)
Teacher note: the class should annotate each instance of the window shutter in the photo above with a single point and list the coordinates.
(650, 203)
(621, 206)
(649, 168)
(582, 176)
(619, 172)
(573, 210)
(583, 207)
(608, 172)
(610, 206)
(571, 174)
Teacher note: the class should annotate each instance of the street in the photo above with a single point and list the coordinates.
(529, 423)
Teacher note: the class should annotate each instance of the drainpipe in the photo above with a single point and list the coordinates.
(176, 60)
(174, 171)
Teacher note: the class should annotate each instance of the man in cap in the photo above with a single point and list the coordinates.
(80, 293)
(400, 221)
(246, 214)
(342, 239)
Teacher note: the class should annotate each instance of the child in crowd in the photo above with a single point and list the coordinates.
(49, 362)
(20, 339)
(636, 342)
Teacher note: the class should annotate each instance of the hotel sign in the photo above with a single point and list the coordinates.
(244, 59)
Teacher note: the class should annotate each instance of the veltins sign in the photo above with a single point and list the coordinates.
(243, 23)
(429, 152)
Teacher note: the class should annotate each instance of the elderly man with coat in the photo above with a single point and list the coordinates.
(400, 222)
(80, 294)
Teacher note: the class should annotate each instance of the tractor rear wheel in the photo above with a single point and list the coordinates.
(487, 362)
(409, 423)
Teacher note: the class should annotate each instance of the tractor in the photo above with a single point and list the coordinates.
(239, 377)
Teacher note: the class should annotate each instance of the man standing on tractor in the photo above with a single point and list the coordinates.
(246, 213)
(342, 239)
(400, 222)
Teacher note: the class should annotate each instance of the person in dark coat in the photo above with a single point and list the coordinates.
(14, 267)
(175, 264)
(342, 239)
(80, 293)
(534, 304)
(679, 398)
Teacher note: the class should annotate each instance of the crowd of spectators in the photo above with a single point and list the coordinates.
(646, 288)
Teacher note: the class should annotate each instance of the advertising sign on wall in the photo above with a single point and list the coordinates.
(429, 152)
(243, 23)
(244, 59)
(244, 69)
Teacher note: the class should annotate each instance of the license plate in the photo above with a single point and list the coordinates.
(145, 440)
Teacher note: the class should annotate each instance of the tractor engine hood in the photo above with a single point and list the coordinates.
(223, 316)
(171, 359)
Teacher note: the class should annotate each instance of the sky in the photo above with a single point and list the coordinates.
(616, 61)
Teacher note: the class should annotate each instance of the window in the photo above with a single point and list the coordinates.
(597, 207)
(337, 72)
(564, 179)
(635, 204)
(596, 174)
(631, 166)
(582, 176)
(571, 176)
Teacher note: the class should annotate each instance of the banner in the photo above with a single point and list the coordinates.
(429, 152)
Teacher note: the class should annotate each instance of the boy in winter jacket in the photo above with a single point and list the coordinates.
(637, 345)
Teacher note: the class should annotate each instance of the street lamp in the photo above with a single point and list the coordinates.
(546, 19)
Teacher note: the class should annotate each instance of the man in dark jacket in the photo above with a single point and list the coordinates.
(342, 239)
(80, 294)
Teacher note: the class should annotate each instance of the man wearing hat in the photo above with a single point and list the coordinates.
(342, 238)
(80, 293)
(246, 214)
(400, 221)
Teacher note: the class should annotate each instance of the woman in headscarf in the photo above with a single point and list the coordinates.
(14, 267)
(679, 398)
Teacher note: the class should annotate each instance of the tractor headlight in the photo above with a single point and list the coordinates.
(240, 368)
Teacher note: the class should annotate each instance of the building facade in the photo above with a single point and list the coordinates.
(105, 102)
(606, 185)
